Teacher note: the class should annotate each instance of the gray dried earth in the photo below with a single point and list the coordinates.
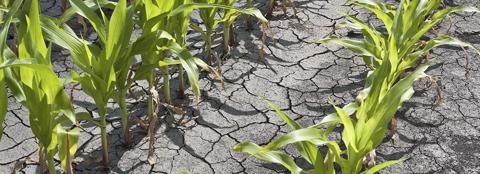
(296, 75)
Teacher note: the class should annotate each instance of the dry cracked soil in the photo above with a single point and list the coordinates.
(296, 75)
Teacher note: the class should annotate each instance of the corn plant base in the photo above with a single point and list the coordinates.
(298, 78)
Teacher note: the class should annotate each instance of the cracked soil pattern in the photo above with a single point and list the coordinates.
(297, 76)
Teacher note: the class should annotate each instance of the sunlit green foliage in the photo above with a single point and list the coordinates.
(387, 86)
(102, 65)
(211, 20)
(33, 83)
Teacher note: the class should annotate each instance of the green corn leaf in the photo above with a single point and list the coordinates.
(357, 46)
(290, 122)
(191, 68)
(320, 167)
(199, 30)
(143, 44)
(67, 147)
(269, 156)
(187, 7)
(336, 152)
(70, 12)
(88, 13)
(52, 147)
(447, 40)
(399, 93)
(332, 119)
(435, 19)
(301, 135)
(348, 134)
(64, 106)
(379, 167)
(189, 63)
(76, 46)
(308, 150)
(3, 37)
(116, 32)
(381, 11)
(371, 34)
(412, 58)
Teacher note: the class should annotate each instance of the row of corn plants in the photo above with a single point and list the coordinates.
(106, 66)
(396, 59)
(29, 75)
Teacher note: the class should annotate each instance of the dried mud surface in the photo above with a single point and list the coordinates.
(296, 75)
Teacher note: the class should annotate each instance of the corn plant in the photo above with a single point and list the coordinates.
(361, 133)
(104, 66)
(33, 83)
(179, 26)
(228, 34)
(167, 23)
(228, 15)
(389, 57)
(122, 67)
(151, 58)
(408, 23)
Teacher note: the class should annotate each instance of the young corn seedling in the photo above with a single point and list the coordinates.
(153, 20)
(167, 22)
(104, 66)
(179, 26)
(162, 20)
(229, 17)
(33, 83)
(408, 23)
(364, 125)
(228, 14)
(208, 16)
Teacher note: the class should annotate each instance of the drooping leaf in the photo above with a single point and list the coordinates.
(269, 156)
